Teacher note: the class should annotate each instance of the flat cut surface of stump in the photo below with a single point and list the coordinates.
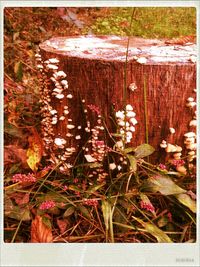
(95, 71)
(114, 48)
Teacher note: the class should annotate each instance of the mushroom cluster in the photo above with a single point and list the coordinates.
(55, 112)
(190, 137)
(174, 149)
(96, 149)
(126, 122)
(191, 145)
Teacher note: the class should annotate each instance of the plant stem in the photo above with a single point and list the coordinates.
(125, 76)
(145, 112)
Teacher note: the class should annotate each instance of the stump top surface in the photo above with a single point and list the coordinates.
(113, 48)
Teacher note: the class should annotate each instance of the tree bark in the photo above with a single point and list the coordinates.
(95, 68)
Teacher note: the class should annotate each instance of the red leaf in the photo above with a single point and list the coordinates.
(62, 224)
(13, 154)
(20, 198)
(40, 232)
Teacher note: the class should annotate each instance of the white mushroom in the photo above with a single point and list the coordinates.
(142, 60)
(89, 158)
(190, 99)
(51, 66)
(191, 104)
(190, 134)
(57, 90)
(59, 74)
(177, 155)
(193, 123)
(59, 96)
(53, 111)
(191, 146)
(130, 114)
(190, 140)
(172, 130)
(69, 96)
(170, 148)
(112, 166)
(163, 144)
(120, 114)
(66, 112)
(62, 118)
(178, 148)
(65, 83)
(59, 141)
(129, 107)
(70, 126)
(53, 60)
(132, 87)
(191, 153)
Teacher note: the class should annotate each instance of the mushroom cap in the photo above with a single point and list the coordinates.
(177, 155)
(170, 148)
(129, 107)
(172, 130)
(163, 145)
(178, 149)
(191, 153)
(190, 99)
(190, 134)
(193, 123)
(181, 169)
(191, 146)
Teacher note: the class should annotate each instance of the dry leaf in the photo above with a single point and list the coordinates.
(40, 232)
(13, 154)
(20, 198)
(62, 224)
(35, 150)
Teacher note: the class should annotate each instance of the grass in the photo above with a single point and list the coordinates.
(149, 22)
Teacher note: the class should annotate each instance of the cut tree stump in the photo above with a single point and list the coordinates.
(95, 69)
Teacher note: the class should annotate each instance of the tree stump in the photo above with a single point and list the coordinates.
(156, 75)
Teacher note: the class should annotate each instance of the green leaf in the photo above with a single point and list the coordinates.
(13, 130)
(163, 221)
(84, 211)
(121, 218)
(93, 188)
(16, 212)
(143, 150)
(14, 168)
(69, 211)
(94, 165)
(133, 163)
(74, 188)
(187, 201)
(46, 221)
(163, 184)
(154, 231)
(18, 70)
(106, 209)
(129, 149)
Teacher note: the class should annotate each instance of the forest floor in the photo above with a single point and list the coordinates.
(42, 205)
